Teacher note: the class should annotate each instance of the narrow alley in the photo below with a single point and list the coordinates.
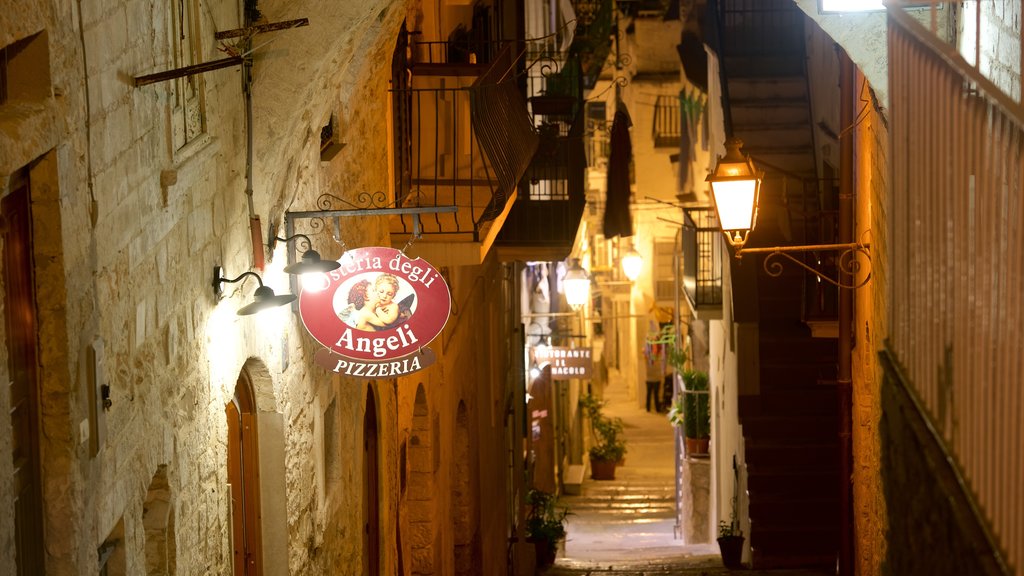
(626, 526)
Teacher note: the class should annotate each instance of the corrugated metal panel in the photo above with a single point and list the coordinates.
(956, 300)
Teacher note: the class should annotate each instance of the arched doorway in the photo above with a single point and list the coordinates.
(464, 515)
(371, 496)
(243, 476)
(421, 487)
(23, 388)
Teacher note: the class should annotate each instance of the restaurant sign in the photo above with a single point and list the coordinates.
(378, 311)
(565, 362)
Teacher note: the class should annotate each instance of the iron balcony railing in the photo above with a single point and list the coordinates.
(956, 270)
(703, 255)
(462, 136)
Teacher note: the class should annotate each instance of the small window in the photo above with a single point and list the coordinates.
(329, 140)
(666, 122)
(188, 100)
(25, 69)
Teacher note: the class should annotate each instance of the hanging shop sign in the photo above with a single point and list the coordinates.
(565, 362)
(380, 307)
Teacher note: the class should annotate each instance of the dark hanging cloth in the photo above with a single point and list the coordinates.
(617, 221)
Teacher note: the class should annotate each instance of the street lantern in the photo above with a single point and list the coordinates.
(576, 284)
(632, 264)
(735, 185)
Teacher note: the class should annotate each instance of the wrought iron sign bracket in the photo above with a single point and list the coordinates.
(848, 260)
(319, 218)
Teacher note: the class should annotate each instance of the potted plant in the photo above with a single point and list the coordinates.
(696, 412)
(609, 447)
(545, 526)
(730, 543)
(730, 537)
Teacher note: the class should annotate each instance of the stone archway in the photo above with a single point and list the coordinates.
(158, 526)
(269, 459)
(419, 499)
(464, 513)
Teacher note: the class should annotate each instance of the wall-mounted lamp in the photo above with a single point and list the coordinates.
(263, 299)
(735, 190)
(576, 284)
(311, 267)
(632, 264)
(735, 186)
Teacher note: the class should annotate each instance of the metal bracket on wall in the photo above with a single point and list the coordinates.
(847, 260)
(371, 205)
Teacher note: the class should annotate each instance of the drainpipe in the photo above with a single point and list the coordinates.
(844, 381)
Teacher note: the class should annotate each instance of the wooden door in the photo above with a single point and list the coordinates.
(243, 476)
(23, 387)
(371, 494)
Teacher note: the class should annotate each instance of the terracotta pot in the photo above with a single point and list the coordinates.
(602, 469)
(731, 548)
(697, 446)
(545, 551)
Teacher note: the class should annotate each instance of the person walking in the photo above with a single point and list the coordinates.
(654, 362)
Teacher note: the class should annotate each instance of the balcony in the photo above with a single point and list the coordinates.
(462, 137)
(542, 224)
(703, 255)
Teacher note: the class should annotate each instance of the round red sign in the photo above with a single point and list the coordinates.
(379, 305)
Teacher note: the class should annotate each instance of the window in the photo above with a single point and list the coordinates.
(666, 121)
(188, 112)
(25, 69)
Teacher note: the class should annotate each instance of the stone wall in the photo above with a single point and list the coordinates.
(127, 232)
(871, 141)
(932, 526)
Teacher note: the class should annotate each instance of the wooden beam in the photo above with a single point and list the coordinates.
(187, 71)
(260, 28)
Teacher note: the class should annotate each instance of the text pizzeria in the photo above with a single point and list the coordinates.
(351, 367)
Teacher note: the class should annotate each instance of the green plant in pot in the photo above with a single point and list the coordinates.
(609, 447)
(696, 412)
(545, 525)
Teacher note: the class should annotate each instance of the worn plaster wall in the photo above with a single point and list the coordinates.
(871, 143)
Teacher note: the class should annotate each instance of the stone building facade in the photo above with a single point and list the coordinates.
(128, 366)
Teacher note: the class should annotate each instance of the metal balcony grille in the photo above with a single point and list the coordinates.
(666, 126)
(703, 256)
(462, 137)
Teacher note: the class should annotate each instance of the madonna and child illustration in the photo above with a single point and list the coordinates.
(371, 302)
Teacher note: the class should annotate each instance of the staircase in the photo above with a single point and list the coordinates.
(629, 501)
(790, 427)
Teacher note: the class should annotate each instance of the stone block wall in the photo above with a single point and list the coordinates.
(871, 141)
(127, 231)
(933, 528)
(996, 24)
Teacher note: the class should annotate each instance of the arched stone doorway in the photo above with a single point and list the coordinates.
(244, 479)
(371, 488)
(464, 513)
(420, 500)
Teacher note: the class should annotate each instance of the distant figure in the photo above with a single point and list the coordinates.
(654, 362)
